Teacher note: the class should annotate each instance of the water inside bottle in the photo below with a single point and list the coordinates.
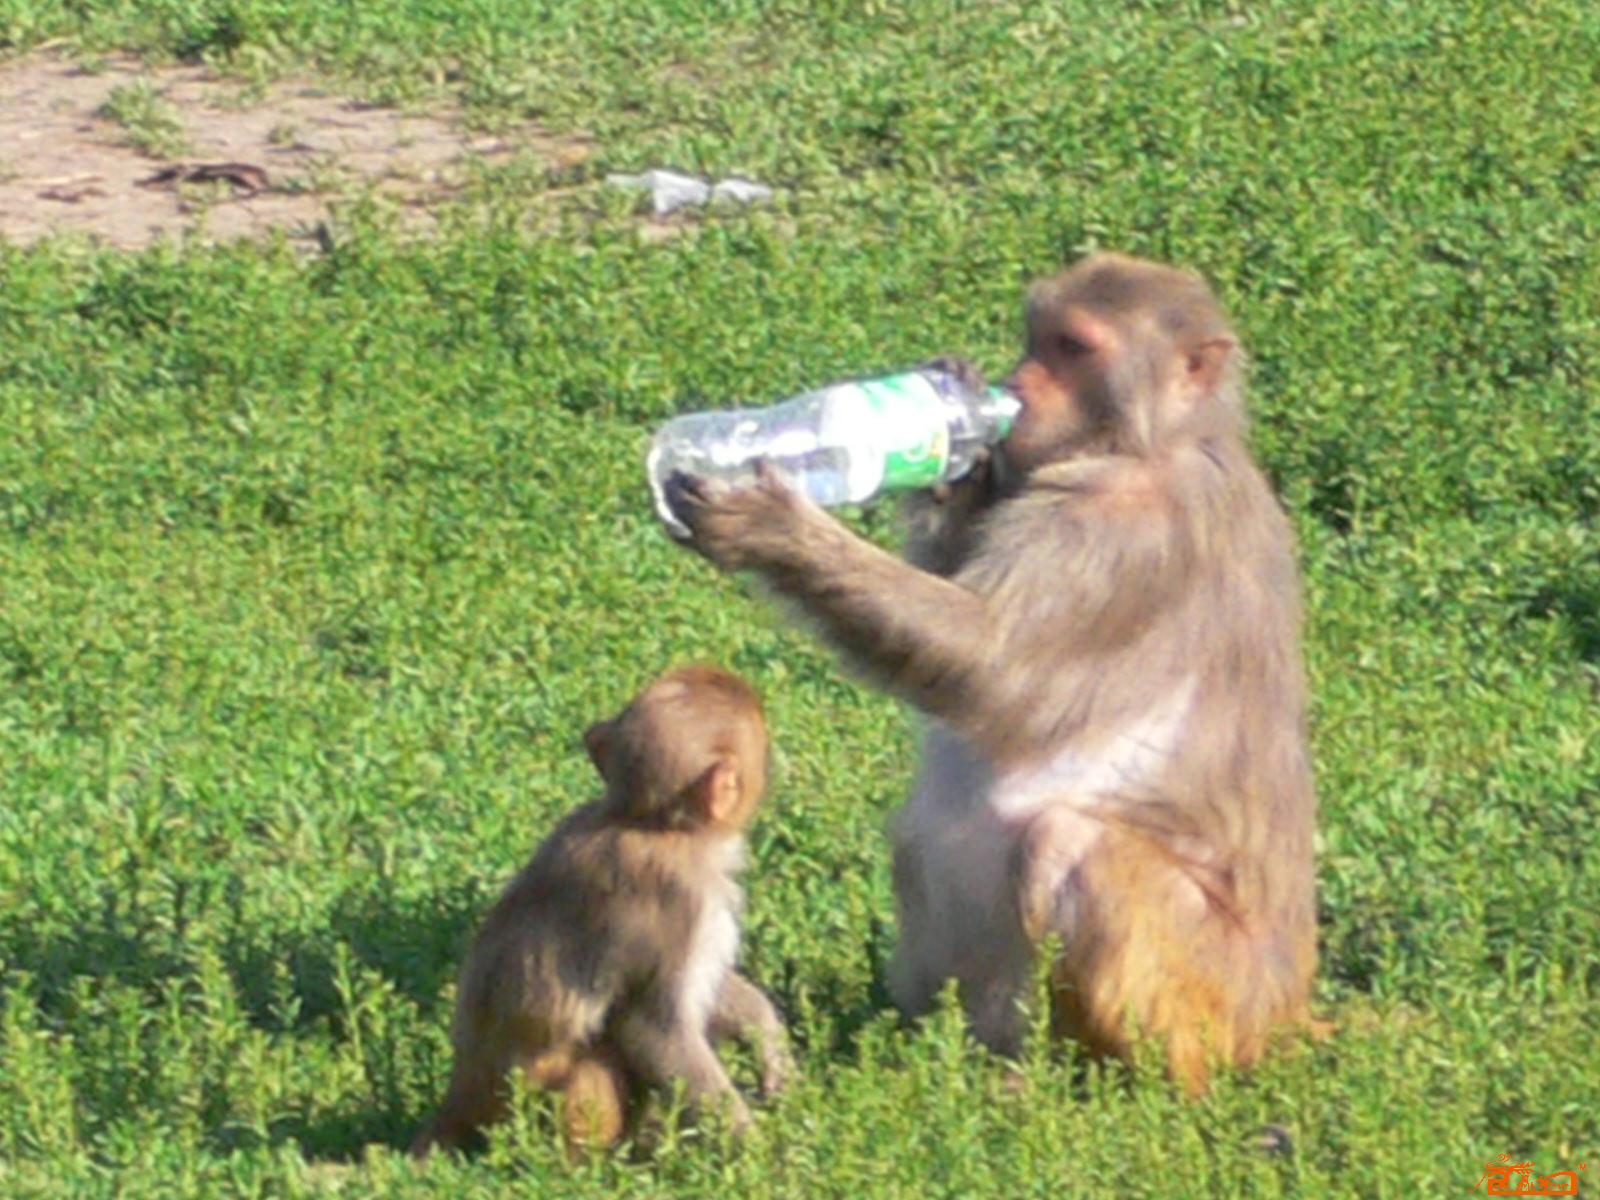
(836, 444)
(821, 472)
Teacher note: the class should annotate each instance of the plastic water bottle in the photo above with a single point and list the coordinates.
(841, 444)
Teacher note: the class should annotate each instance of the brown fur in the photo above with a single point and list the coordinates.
(1104, 629)
(608, 960)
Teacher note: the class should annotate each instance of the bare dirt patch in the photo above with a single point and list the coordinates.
(126, 154)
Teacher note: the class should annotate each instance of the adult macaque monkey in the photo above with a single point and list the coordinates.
(609, 961)
(1103, 628)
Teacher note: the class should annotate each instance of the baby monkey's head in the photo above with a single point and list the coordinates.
(688, 752)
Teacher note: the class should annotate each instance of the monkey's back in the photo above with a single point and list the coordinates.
(583, 925)
(1249, 759)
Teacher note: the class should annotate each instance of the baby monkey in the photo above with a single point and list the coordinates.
(608, 962)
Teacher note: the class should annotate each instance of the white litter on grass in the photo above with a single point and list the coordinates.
(741, 190)
(670, 191)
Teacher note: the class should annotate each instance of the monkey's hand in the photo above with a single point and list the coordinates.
(777, 1065)
(939, 520)
(963, 369)
(973, 489)
(743, 1011)
(737, 527)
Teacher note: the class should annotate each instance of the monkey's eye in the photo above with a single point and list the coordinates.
(1068, 346)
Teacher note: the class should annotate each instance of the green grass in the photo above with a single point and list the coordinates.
(312, 570)
(148, 121)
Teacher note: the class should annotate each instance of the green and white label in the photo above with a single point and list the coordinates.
(912, 432)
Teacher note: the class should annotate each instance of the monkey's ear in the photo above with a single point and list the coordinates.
(1204, 364)
(595, 740)
(715, 795)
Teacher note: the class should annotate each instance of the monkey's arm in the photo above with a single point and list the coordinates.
(917, 630)
(941, 521)
(744, 1012)
(1075, 562)
(661, 1047)
(942, 524)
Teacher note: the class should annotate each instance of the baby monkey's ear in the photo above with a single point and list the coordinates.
(596, 740)
(715, 797)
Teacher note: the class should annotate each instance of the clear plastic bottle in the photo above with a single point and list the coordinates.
(841, 444)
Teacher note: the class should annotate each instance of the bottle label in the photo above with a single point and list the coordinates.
(913, 433)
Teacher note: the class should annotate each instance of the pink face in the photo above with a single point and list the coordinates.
(1058, 382)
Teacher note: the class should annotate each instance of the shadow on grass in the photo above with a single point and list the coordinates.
(284, 979)
(284, 982)
(1578, 605)
(415, 943)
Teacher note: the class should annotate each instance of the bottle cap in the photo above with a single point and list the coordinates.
(1005, 407)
